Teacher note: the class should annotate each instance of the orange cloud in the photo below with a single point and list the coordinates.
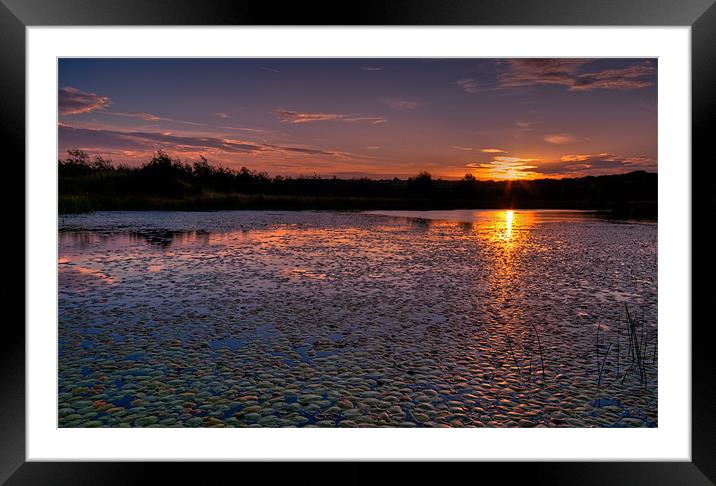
(575, 158)
(505, 168)
(562, 138)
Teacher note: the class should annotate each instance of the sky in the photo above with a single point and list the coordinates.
(379, 118)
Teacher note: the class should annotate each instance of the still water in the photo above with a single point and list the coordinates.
(398, 319)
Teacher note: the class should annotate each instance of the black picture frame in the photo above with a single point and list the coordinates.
(16, 15)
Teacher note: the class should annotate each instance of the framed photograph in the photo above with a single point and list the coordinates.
(415, 233)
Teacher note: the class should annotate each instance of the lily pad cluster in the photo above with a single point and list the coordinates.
(325, 319)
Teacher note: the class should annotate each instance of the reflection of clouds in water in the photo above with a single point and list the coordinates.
(67, 266)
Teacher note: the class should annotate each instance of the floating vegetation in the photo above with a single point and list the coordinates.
(326, 319)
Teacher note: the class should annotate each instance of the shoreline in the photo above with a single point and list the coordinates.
(77, 204)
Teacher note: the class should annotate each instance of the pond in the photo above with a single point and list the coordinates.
(357, 319)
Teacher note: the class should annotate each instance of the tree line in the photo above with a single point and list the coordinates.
(164, 178)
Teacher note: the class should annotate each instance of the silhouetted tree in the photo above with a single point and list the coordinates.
(467, 187)
(421, 185)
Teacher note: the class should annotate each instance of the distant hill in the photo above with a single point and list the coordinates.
(166, 183)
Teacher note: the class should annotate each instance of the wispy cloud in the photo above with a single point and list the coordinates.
(483, 150)
(632, 77)
(301, 150)
(512, 160)
(271, 70)
(294, 117)
(235, 128)
(371, 68)
(563, 138)
(222, 115)
(521, 128)
(574, 74)
(402, 104)
(468, 85)
(73, 101)
(127, 140)
(140, 115)
(153, 118)
(597, 164)
(576, 157)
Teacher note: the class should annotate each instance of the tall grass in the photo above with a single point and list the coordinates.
(638, 363)
(634, 344)
(511, 349)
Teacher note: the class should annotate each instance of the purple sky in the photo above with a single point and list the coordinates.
(493, 118)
